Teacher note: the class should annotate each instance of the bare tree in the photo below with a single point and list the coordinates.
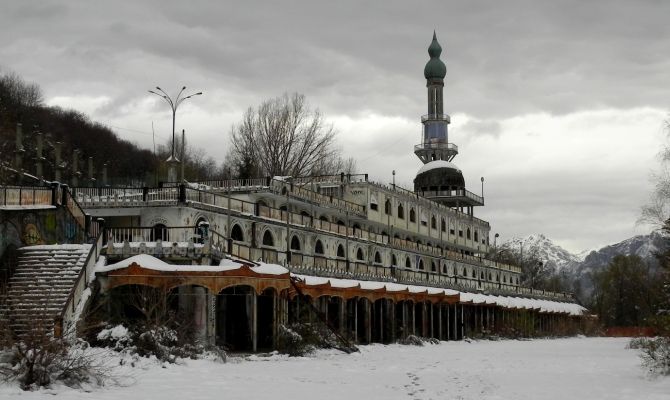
(284, 136)
(657, 211)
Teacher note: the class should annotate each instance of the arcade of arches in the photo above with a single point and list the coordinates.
(242, 310)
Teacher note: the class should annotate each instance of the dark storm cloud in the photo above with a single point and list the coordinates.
(502, 59)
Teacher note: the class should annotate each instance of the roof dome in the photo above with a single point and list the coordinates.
(439, 175)
(435, 68)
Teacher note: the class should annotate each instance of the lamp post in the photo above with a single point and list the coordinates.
(482, 187)
(174, 105)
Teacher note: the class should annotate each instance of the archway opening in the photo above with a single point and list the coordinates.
(234, 318)
(268, 239)
(237, 234)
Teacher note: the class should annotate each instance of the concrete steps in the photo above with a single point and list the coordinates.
(40, 286)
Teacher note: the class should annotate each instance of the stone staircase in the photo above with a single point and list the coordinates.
(40, 286)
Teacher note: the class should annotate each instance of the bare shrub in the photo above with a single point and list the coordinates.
(299, 339)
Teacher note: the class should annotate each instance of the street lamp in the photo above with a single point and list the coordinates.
(482, 187)
(174, 104)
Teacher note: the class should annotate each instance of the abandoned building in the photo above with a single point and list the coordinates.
(376, 262)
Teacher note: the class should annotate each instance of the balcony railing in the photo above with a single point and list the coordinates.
(436, 117)
(452, 193)
(436, 146)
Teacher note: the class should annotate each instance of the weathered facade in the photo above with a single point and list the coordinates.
(374, 262)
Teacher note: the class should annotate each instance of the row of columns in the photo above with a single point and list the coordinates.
(59, 165)
(218, 319)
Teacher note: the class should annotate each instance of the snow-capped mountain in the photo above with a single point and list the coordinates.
(556, 257)
(578, 268)
(643, 246)
(541, 247)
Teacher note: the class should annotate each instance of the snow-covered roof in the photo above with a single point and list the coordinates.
(474, 298)
(437, 164)
(150, 262)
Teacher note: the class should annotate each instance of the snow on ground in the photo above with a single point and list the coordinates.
(576, 368)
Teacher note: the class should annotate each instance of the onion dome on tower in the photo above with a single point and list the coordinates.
(435, 68)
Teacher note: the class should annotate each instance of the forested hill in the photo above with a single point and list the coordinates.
(22, 102)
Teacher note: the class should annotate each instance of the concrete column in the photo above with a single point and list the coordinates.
(413, 316)
(211, 318)
(75, 168)
(449, 324)
(343, 316)
(105, 180)
(91, 178)
(462, 324)
(391, 316)
(200, 320)
(355, 303)
(39, 172)
(439, 321)
(368, 321)
(404, 320)
(18, 156)
(58, 146)
(254, 321)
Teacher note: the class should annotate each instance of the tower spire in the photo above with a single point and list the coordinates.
(435, 144)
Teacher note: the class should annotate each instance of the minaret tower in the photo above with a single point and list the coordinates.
(435, 144)
(439, 179)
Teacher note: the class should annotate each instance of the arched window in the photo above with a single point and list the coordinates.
(237, 234)
(304, 213)
(467, 233)
(401, 212)
(490, 277)
(433, 223)
(476, 236)
(295, 243)
(481, 276)
(408, 263)
(444, 225)
(340, 251)
(268, 240)
(394, 260)
(359, 255)
(378, 257)
(323, 218)
(504, 278)
(444, 269)
(433, 268)
(421, 265)
(474, 274)
(318, 247)
(464, 272)
(412, 215)
(387, 207)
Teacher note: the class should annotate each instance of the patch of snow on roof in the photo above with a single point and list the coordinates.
(269, 269)
(143, 260)
(438, 164)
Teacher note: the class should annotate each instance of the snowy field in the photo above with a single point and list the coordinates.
(578, 368)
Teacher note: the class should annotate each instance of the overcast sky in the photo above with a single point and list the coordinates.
(559, 105)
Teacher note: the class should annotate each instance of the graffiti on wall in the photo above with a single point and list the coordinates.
(30, 233)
